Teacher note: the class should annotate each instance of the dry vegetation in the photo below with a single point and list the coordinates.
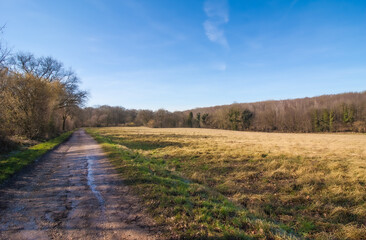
(314, 184)
(39, 98)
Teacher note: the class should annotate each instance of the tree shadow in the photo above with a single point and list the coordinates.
(148, 145)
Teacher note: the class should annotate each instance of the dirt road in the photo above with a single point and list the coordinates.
(72, 193)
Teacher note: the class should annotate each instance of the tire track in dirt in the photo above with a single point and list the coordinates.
(73, 193)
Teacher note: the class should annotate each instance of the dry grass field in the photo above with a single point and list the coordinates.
(309, 185)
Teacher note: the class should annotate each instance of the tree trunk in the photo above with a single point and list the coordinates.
(64, 123)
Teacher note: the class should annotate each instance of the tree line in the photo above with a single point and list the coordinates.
(39, 97)
(327, 113)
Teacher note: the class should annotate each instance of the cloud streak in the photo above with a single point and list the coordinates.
(220, 66)
(217, 13)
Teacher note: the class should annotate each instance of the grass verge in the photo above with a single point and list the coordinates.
(17, 161)
(189, 209)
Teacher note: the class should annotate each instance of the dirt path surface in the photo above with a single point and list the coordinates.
(72, 193)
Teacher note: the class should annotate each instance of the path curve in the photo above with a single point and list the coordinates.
(72, 193)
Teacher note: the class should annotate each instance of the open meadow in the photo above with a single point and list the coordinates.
(218, 183)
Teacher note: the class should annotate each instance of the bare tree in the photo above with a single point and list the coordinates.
(70, 98)
(46, 68)
(4, 51)
(144, 116)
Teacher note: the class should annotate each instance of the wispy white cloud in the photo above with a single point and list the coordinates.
(214, 33)
(217, 9)
(220, 66)
(92, 39)
(217, 13)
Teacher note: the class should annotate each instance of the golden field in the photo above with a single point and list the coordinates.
(311, 184)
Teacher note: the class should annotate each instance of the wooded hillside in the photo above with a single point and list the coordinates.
(327, 113)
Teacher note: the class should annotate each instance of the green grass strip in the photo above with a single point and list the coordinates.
(190, 210)
(19, 160)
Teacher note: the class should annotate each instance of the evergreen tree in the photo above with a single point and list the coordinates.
(331, 121)
(246, 117)
(348, 114)
(198, 118)
(190, 119)
(204, 119)
(234, 118)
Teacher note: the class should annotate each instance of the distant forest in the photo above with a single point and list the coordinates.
(328, 113)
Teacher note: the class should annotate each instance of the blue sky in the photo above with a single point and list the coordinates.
(179, 55)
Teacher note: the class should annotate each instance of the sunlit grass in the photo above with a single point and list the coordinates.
(312, 183)
(15, 162)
